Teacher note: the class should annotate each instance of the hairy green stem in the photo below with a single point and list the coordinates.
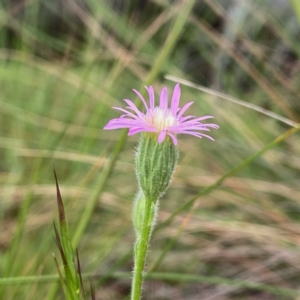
(140, 250)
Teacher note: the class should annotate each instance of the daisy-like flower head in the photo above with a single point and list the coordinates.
(164, 120)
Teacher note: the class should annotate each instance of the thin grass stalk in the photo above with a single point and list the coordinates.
(296, 6)
(233, 100)
(172, 38)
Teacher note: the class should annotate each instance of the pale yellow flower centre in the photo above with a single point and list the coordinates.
(161, 119)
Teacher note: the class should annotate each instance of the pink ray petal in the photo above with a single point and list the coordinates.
(134, 108)
(162, 136)
(173, 137)
(163, 103)
(199, 119)
(187, 128)
(203, 118)
(135, 130)
(183, 119)
(128, 113)
(126, 123)
(212, 125)
(115, 126)
(142, 98)
(126, 120)
(183, 109)
(198, 134)
(197, 124)
(175, 99)
(151, 97)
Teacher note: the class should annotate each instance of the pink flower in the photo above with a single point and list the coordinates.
(161, 119)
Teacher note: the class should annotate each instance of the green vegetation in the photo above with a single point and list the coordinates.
(228, 227)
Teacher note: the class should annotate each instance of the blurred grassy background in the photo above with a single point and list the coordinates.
(65, 63)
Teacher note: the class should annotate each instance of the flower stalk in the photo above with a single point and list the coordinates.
(143, 230)
(155, 164)
(156, 159)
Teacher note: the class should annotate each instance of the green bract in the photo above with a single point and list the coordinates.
(155, 164)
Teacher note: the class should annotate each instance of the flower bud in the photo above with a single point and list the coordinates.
(155, 164)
